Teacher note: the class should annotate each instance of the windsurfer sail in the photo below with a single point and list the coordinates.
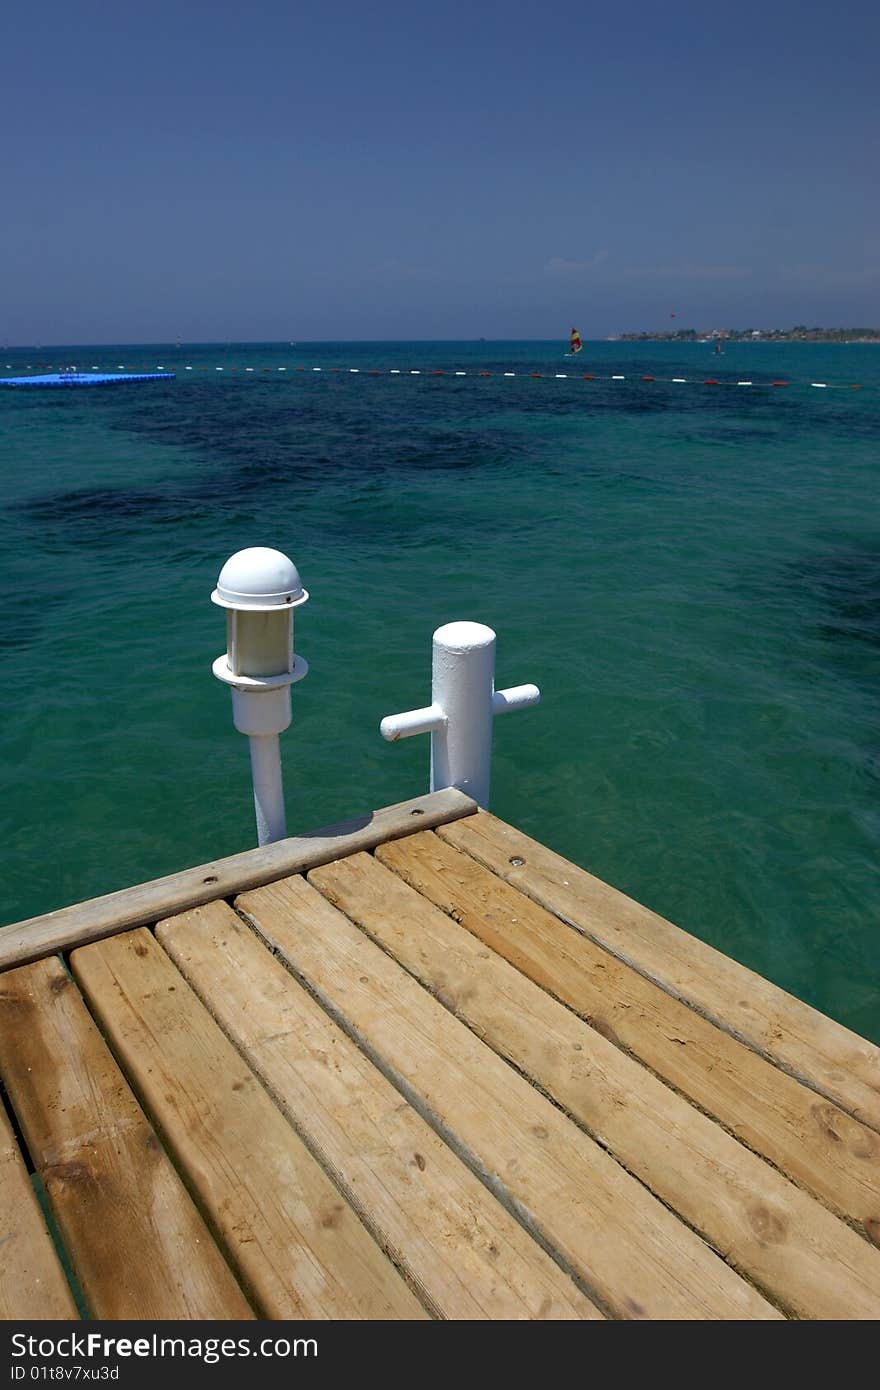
(575, 345)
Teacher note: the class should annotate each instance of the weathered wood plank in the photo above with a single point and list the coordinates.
(807, 1259)
(816, 1144)
(825, 1055)
(634, 1255)
(137, 1244)
(294, 1242)
(32, 1282)
(466, 1256)
(145, 903)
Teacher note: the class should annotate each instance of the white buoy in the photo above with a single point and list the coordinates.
(463, 704)
(259, 588)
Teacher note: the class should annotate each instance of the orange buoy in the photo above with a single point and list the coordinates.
(779, 383)
(535, 373)
(710, 381)
(647, 378)
(587, 377)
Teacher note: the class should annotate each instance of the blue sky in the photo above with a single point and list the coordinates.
(306, 171)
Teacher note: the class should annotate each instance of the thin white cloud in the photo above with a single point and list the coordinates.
(686, 270)
(558, 265)
(396, 269)
(671, 272)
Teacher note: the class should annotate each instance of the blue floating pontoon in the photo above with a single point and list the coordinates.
(85, 378)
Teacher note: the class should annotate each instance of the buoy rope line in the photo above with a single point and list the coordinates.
(482, 372)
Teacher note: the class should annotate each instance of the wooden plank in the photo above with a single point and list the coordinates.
(817, 1145)
(146, 903)
(137, 1244)
(296, 1245)
(636, 1258)
(808, 1260)
(466, 1256)
(823, 1054)
(32, 1282)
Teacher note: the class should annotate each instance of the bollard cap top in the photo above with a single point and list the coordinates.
(259, 580)
(464, 636)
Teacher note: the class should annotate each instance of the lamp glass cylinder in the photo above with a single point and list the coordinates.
(259, 644)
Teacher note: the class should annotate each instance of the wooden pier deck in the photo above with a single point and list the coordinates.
(420, 1066)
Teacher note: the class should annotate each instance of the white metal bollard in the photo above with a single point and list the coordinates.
(259, 588)
(463, 704)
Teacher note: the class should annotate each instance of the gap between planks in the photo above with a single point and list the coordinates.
(815, 1050)
(792, 1247)
(636, 1257)
(32, 1282)
(295, 1244)
(462, 1250)
(807, 1138)
(110, 1184)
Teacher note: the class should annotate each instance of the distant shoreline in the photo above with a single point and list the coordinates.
(752, 335)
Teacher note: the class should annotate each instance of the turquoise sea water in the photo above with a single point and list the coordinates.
(690, 573)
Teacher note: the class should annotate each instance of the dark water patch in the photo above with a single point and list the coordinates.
(348, 413)
(264, 432)
(849, 425)
(23, 622)
(730, 435)
(100, 515)
(638, 484)
(845, 584)
(304, 462)
(374, 497)
(272, 442)
(265, 473)
(110, 502)
(457, 450)
(641, 403)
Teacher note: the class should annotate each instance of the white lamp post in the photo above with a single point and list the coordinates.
(259, 588)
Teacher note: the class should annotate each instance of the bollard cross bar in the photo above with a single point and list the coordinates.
(464, 702)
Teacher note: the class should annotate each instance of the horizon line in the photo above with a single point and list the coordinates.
(178, 344)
